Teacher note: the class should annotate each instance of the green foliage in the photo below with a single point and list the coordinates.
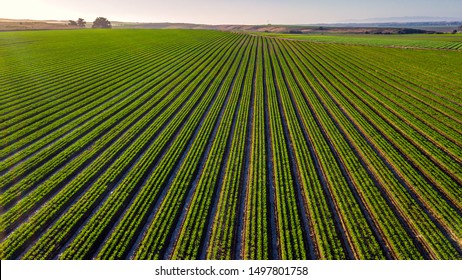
(419, 41)
(101, 22)
(81, 23)
(189, 144)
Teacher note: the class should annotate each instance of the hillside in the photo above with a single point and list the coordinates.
(12, 25)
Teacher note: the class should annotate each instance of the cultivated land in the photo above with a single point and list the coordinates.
(416, 41)
(157, 144)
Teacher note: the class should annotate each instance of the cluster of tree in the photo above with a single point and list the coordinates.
(100, 22)
(459, 29)
(295, 31)
(80, 23)
(414, 31)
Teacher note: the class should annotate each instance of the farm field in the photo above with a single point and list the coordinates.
(194, 144)
(423, 41)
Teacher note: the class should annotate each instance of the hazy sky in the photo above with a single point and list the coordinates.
(228, 11)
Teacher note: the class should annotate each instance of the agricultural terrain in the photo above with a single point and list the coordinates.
(195, 144)
(415, 41)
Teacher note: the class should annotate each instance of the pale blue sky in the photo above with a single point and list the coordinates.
(227, 11)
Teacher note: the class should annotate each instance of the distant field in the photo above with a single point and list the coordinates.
(428, 41)
(169, 144)
(9, 25)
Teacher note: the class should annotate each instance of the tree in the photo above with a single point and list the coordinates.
(101, 22)
(295, 31)
(72, 23)
(81, 23)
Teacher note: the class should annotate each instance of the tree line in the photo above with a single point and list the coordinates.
(99, 22)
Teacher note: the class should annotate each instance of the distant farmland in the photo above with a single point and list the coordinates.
(168, 144)
(417, 41)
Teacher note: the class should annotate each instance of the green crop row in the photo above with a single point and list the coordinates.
(131, 224)
(103, 218)
(139, 98)
(292, 245)
(419, 134)
(44, 122)
(175, 144)
(428, 104)
(422, 164)
(188, 243)
(432, 77)
(256, 235)
(220, 245)
(122, 165)
(114, 54)
(403, 41)
(394, 158)
(168, 212)
(343, 199)
(392, 232)
(51, 183)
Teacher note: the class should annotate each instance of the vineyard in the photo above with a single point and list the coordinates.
(194, 144)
